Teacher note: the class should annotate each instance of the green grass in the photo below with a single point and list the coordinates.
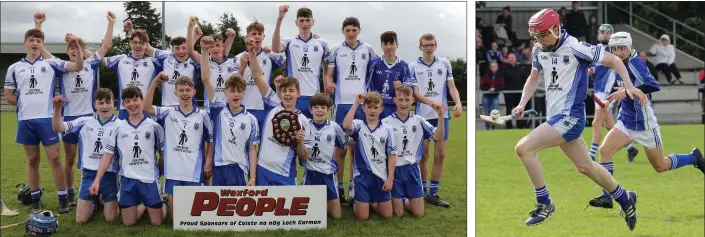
(449, 222)
(670, 203)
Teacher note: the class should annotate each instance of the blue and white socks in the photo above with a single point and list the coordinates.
(425, 187)
(36, 195)
(593, 150)
(609, 166)
(542, 195)
(680, 160)
(433, 189)
(620, 195)
(70, 191)
(62, 194)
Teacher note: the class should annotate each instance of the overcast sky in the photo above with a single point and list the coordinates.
(447, 21)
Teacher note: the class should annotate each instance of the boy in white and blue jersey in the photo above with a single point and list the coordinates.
(435, 78)
(135, 68)
(637, 121)
(92, 132)
(305, 55)
(563, 63)
(348, 63)
(322, 139)
(236, 131)
(29, 85)
(176, 63)
(375, 158)
(134, 143)
(388, 72)
(410, 131)
(269, 63)
(187, 130)
(604, 83)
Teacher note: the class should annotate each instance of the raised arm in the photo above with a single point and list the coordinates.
(78, 65)
(277, 46)
(149, 97)
(229, 41)
(108, 38)
(348, 121)
(190, 41)
(206, 44)
(39, 18)
(255, 69)
(57, 121)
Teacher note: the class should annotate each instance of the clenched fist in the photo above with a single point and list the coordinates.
(39, 17)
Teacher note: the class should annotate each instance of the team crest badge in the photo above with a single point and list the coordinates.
(381, 140)
(85, 69)
(315, 48)
(44, 69)
(242, 126)
(144, 63)
(413, 128)
(230, 69)
(195, 126)
(566, 59)
(440, 72)
(397, 77)
(264, 62)
(147, 135)
(329, 138)
(364, 56)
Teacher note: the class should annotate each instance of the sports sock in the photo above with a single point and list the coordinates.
(433, 189)
(620, 195)
(36, 195)
(542, 195)
(70, 191)
(425, 187)
(62, 194)
(610, 168)
(680, 160)
(593, 150)
(341, 189)
(629, 147)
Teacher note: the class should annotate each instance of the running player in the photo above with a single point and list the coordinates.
(435, 78)
(637, 123)
(348, 63)
(31, 82)
(410, 131)
(566, 90)
(305, 55)
(187, 128)
(135, 142)
(92, 132)
(604, 81)
(236, 130)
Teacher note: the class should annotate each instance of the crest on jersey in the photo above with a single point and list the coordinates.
(566, 59)
(242, 126)
(147, 135)
(329, 138)
(413, 128)
(381, 140)
(397, 77)
(440, 72)
(230, 69)
(85, 68)
(144, 63)
(264, 62)
(195, 126)
(364, 56)
(44, 69)
(315, 48)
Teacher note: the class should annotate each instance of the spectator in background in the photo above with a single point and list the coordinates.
(514, 79)
(575, 22)
(665, 57)
(519, 51)
(491, 84)
(494, 53)
(528, 53)
(505, 53)
(479, 26)
(506, 20)
(563, 12)
(593, 30)
(652, 68)
(481, 56)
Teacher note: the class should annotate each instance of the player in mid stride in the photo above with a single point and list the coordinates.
(566, 90)
(638, 122)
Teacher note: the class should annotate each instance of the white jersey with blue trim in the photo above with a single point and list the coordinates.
(633, 115)
(79, 87)
(175, 69)
(92, 137)
(304, 59)
(136, 147)
(433, 84)
(268, 62)
(272, 155)
(220, 72)
(321, 141)
(350, 65)
(234, 134)
(133, 72)
(34, 86)
(372, 148)
(184, 142)
(604, 77)
(409, 136)
(565, 71)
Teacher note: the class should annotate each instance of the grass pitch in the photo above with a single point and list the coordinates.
(670, 203)
(437, 221)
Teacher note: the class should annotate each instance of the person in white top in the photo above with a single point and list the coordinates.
(305, 55)
(78, 88)
(563, 63)
(410, 131)
(92, 132)
(29, 85)
(665, 58)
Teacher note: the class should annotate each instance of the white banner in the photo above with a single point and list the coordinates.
(222, 208)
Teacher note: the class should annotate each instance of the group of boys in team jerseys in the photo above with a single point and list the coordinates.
(231, 142)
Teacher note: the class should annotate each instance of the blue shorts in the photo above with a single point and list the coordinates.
(341, 110)
(304, 104)
(389, 109)
(134, 192)
(72, 138)
(260, 115)
(446, 121)
(108, 186)
(229, 175)
(407, 182)
(329, 180)
(169, 185)
(569, 127)
(123, 114)
(269, 178)
(367, 188)
(31, 132)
